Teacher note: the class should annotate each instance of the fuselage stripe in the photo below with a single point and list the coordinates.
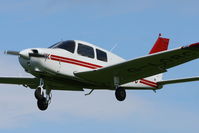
(73, 61)
(155, 86)
(147, 83)
(65, 58)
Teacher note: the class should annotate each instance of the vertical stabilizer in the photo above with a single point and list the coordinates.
(160, 45)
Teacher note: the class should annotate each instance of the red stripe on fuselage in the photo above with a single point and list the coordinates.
(65, 61)
(146, 83)
(149, 83)
(74, 61)
(65, 58)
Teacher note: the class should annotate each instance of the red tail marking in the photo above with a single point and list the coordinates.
(160, 45)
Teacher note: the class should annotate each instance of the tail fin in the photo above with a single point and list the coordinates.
(160, 45)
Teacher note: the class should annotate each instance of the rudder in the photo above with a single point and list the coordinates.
(160, 45)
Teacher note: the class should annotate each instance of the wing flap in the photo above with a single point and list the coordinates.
(142, 67)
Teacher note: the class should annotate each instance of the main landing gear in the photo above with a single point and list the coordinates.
(43, 97)
(120, 94)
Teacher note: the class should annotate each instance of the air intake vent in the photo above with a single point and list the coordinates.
(35, 51)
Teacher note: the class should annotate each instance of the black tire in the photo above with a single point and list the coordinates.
(42, 104)
(120, 94)
(38, 94)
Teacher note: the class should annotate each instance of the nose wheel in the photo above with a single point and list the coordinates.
(43, 97)
(42, 104)
(120, 94)
(42, 100)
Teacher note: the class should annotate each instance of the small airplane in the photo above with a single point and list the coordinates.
(75, 65)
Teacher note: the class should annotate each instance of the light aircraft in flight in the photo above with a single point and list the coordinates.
(75, 65)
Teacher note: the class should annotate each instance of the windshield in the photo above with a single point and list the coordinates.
(66, 45)
(54, 45)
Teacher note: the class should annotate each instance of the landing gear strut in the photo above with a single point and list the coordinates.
(43, 99)
(120, 94)
(39, 94)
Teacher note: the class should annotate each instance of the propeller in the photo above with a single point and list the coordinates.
(12, 52)
(26, 53)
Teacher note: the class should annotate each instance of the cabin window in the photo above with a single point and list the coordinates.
(85, 50)
(66, 45)
(101, 55)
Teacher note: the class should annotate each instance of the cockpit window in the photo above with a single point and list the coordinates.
(85, 50)
(67, 45)
(54, 45)
(101, 55)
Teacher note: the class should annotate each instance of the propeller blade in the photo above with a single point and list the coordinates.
(11, 52)
(26, 54)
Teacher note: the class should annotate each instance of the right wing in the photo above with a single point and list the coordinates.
(141, 67)
(30, 82)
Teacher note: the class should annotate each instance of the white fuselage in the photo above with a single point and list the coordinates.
(64, 63)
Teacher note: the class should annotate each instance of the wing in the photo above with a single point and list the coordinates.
(142, 67)
(174, 81)
(30, 82)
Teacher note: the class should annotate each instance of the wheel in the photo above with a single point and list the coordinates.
(42, 104)
(38, 94)
(120, 94)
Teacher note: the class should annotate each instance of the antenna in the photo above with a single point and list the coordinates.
(113, 47)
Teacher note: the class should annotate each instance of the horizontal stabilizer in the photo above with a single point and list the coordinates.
(174, 81)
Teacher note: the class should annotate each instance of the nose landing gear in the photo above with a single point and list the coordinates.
(43, 99)
(42, 104)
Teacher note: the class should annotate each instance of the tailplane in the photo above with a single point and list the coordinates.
(160, 45)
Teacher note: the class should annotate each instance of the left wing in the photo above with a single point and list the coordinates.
(142, 67)
(30, 82)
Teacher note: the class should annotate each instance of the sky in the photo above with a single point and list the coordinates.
(134, 26)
